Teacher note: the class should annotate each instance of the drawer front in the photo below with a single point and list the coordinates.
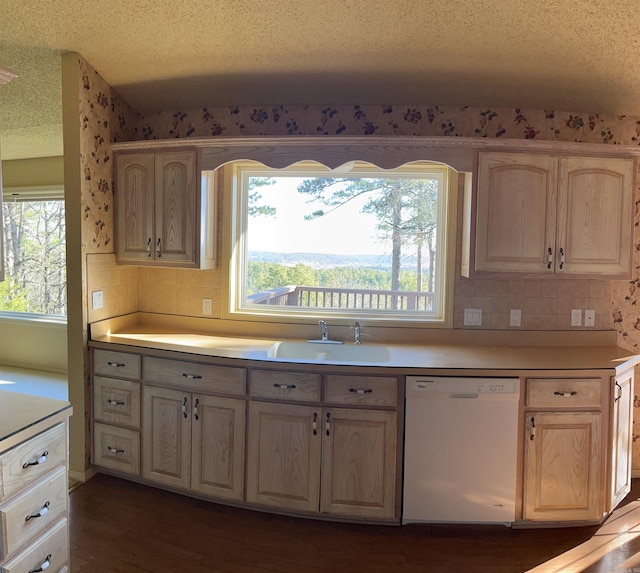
(298, 386)
(563, 392)
(116, 401)
(32, 459)
(116, 448)
(118, 364)
(49, 550)
(195, 376)
(30, 513)
(369, 390)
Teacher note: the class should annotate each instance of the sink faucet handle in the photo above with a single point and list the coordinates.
(356, 333)
(324, 329)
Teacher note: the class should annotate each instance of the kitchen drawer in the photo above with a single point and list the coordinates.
(49, 550)
(369, 390)
(29, 461)
(116, 401)
(30, 513)
(298, 386)
(194, 376)
(116, 448)
(563, 392)
(118, 364)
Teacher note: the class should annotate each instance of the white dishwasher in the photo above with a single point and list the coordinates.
(460, 450)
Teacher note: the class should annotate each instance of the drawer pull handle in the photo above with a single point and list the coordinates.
(149, 248)
(115, 402)
(315, 423)
(533, 429)
(620, 396)
(549, 258)
(361, 390)
(44, 565)
(43, 511)
(284, 386)
(115, 450)
(191, 376)
(195, 409)
(565, 394)
(116, 364)
(40, 460)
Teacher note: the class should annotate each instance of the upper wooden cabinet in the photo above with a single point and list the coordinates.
(541, 213)
(159, 203)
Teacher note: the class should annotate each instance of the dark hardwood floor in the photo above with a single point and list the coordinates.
(121, 527)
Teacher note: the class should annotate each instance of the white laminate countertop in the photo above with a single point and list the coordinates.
(20, 413)
(406, 356)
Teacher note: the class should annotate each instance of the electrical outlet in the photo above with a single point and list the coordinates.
(206, 306)
(515, 319)
(97, 300)
(576, 317)
(473, 317)
(590, 317)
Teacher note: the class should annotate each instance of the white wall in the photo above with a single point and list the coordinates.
(41, 345)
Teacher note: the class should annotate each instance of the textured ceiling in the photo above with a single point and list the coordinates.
(571, 55)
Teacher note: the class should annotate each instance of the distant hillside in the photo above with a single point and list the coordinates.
(325, 261)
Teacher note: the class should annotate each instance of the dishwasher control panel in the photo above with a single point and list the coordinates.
(418, 384)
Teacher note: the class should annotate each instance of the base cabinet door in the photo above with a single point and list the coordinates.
(217, 456)
(563, 466)
(283, 456)
(621, 436)
(359, 463)
(166, 437)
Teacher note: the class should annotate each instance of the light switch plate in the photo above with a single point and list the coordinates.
(576, 317)
(473, 317)
(515, 318)
(97, 300)
(206, 306)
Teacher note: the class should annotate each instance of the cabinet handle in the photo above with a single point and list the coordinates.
(284, 386)
(550, 258)
(361, 390)
(149, 248)
(116, 364)
(565, 394)
(533, 429)
(44, 565)
(40, 460)
(184, 407)
(158, 253)
(115, 450)
(195, 409)
(43, 511)
(115, 402)
(191, 376)
(327, 425)
(315, 424)
(561, 258)
(620, 396)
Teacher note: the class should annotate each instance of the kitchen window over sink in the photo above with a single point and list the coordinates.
(353, 242)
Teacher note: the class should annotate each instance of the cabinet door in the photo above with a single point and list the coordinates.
(217, 456)
(562, 479)
(359, 463)
(134, 199)
(166, 436)
(516, 212)
(595, 208)
(177, 217)
(283, 457)
(621, 436)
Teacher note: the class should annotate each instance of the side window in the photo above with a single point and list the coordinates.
(366, 243)
(34, 251)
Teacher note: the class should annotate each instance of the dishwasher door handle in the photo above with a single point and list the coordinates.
(472, 396)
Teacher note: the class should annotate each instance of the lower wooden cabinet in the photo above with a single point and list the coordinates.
(331, 460)
(563, 466)
(621, 438)
(194, 442)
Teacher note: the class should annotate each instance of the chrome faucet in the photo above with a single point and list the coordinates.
(356, 333)
(324, 329)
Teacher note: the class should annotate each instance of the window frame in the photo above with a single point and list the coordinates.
(54, 192)
(235, 220)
